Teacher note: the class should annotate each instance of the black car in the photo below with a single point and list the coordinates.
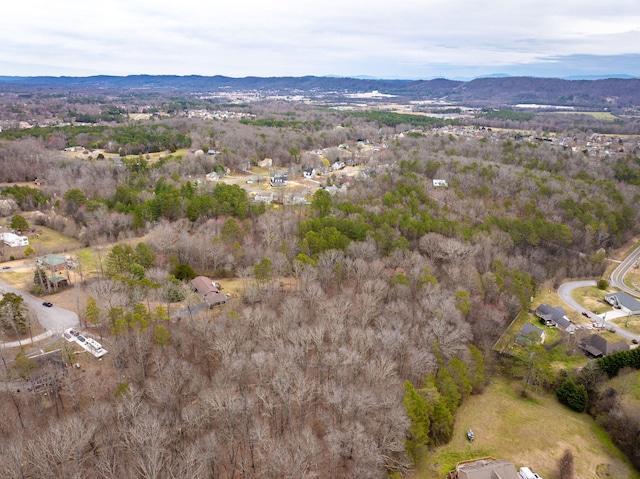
(47, 304)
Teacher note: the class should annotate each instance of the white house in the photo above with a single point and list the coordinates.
(338, 165)
(439, 183)
(11, 239)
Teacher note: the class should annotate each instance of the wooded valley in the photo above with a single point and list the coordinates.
(368, 312)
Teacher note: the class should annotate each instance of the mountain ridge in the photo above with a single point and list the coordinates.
(601, 93)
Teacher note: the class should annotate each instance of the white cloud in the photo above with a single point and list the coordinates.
(349, 37)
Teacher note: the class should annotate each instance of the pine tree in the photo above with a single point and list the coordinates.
(477, 369)
(40, 280)
(460, 375)
(417, 411)
(448, 389)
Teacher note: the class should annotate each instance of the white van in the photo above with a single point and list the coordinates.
(525, 473)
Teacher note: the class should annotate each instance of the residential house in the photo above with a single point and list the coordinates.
(209, 291)
(338, 165)
(278, 180)
(266, 198)
(485, 468)
(554, 317)
(53, 262)
(528, 332)
(596, 346)
(309, 173)
(624, 302)
(11, 239)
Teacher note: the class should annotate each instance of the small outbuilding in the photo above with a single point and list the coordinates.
(530, 333)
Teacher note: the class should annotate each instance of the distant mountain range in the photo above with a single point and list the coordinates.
(611, 93)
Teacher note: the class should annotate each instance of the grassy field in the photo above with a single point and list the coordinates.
(592, 299)
(531, 432)
(599, 115)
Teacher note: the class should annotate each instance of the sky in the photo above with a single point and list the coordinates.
(407, 39)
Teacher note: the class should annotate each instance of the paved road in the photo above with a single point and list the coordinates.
(53, 320)
(617, 277)
(565, 292)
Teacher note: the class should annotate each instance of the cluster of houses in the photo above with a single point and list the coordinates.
(594, 345)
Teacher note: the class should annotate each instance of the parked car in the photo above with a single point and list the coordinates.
(47, 304)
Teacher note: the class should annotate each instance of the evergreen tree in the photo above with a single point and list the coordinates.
(573, 395)
(12, 317)
(161, 335)
(460, 375)
(441, 422)
(40, 280)
(19, 223)
(448, 389)
(477, 369)
(417, 411)
(92, 311)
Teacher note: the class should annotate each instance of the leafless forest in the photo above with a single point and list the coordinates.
(346, 299)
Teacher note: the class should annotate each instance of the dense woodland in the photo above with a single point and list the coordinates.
(368, 316)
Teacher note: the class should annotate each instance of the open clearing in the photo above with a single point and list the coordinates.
(531, 432)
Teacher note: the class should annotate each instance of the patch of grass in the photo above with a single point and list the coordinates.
(51, 240)
(631, 324)
(599, 115)
(627, 384)
(567, 356)
(592, 299)
(531, 432)
(632, 278)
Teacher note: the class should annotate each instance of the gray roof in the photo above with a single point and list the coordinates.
(623, 299)
(598, 346)
(529, 328)
(550, 313)
(487, 469)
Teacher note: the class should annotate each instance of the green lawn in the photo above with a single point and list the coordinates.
(592, 299)
(533, 432)
(600, 115)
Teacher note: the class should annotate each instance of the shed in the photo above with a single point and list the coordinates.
(527, 332)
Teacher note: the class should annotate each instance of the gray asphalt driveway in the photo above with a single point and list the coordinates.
(53, 318)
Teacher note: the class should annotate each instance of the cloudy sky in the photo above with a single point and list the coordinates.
(377, 38)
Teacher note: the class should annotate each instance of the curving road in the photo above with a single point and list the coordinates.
(53, 319)
(565, 291)
(617, 277)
